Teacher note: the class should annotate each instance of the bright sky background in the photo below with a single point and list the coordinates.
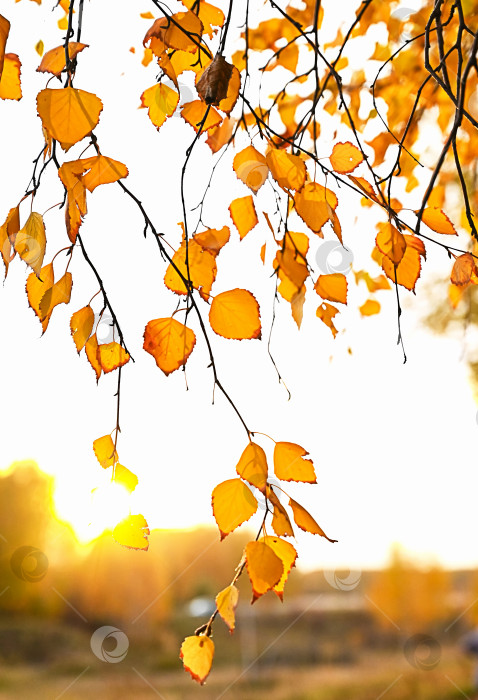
(393, 444)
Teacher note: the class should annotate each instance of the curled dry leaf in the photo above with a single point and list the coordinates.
(213, 84)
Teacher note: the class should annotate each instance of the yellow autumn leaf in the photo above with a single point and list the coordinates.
(202, 269)
(4, 31)
(30, 242)
(305, 521)
(252, 466)
(36, 288)
(132, 532)
(8, 231)
(280, 520)
(125, 478)
(169, 342)
(391, 242)
(226, 603)
(59, 293)
(232, 503)
(287, 554)
(235, 315)
(290, 465)
(69, 114)
(345, 157)
(243, 214)
(10, 81)
(54, 61)
(91, 349)
(161, 102)
(251, 167)
(332, 287)
(264, 567)
(313, 203)
(287, 170)
(438, 221)
(197, 653)
(81, 325)
(104, 449)
(370, 308)
(111, 356)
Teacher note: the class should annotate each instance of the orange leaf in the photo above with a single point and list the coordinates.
(197, 653)
(326, 313)
(220, 135)
(125, 478)
(69, 114)
(408, 270)
(332, 287)
(202, 269)
(111, 356)
(391, 242)
(70, 174)
(289, 464)
(243, 214)
(252, 466)
(345, 157)
(287, 170)
(161, 102)
(226, 603)
(235, 314)
(209, 15)
(250, 166)
(373, 283)
(169, 342)
(297, 306)
(132, 532)
(194, 113)
(213, 240)
(4, 31)
(101, 170)
(59, 293)
(104, 449)
(464, 268)
(91, 349)
(232, 503)
(280, 520)
(438, 221)
(175, 36)
(287, 554)
(81, 325)
(30, 242)
(8, 231)
(264, 567)
(10, 87)
(311, 205)
(370, 308)
(305, 521)
(36, 288)
(54, 61)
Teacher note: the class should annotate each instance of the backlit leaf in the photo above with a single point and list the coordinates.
(125, 477)
(69, 114)
(226, 603)
(111, 356)
(243, 214)
(235, 314)
(59, 293)
(161, 102)
(345, 157)
(8, 231)
(311, 205)
(464, 268)
(81, 325)
(264, 567)
(10, 86)
(176, 37)
(4, 31)
(195, 114)
(36, 288)
(332, 287)
(169, 342)
(30, 242)
(209, 15)
(132, 532)
(287, 170)
(252, 466)
(91, 349)
(305, 521)
(232, 503)
(54, 61)
(290, 465)
(370, 308)
(287, 554)
(202, 269)
(438, 221)
(104, 449)
(280, 520)
(326, 313)
(213, 240)
(250, 166)
(197, 653)
(220, 135)
(391, 242)
(101, 170)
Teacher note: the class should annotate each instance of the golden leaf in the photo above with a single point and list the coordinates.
(252, 466)
(250, 166)
(264, 567)
(332, 287)
(287, 170)
(169, 342)
(232, 503)
(105, 452)
(91, 349)
(235, 315)
(69, 114)
(289, 464)
(345, 157)
(30, 242)
(81, 325)
(243, 214)
(10, 86)
(226, 603)
(161, 102)
(54, 61)
(287, 554)
(197, 653)
(132, 532)
(305, 521)
(111, 356)
(59, 293)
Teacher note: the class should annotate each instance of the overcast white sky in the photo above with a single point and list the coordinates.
(393, 444)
